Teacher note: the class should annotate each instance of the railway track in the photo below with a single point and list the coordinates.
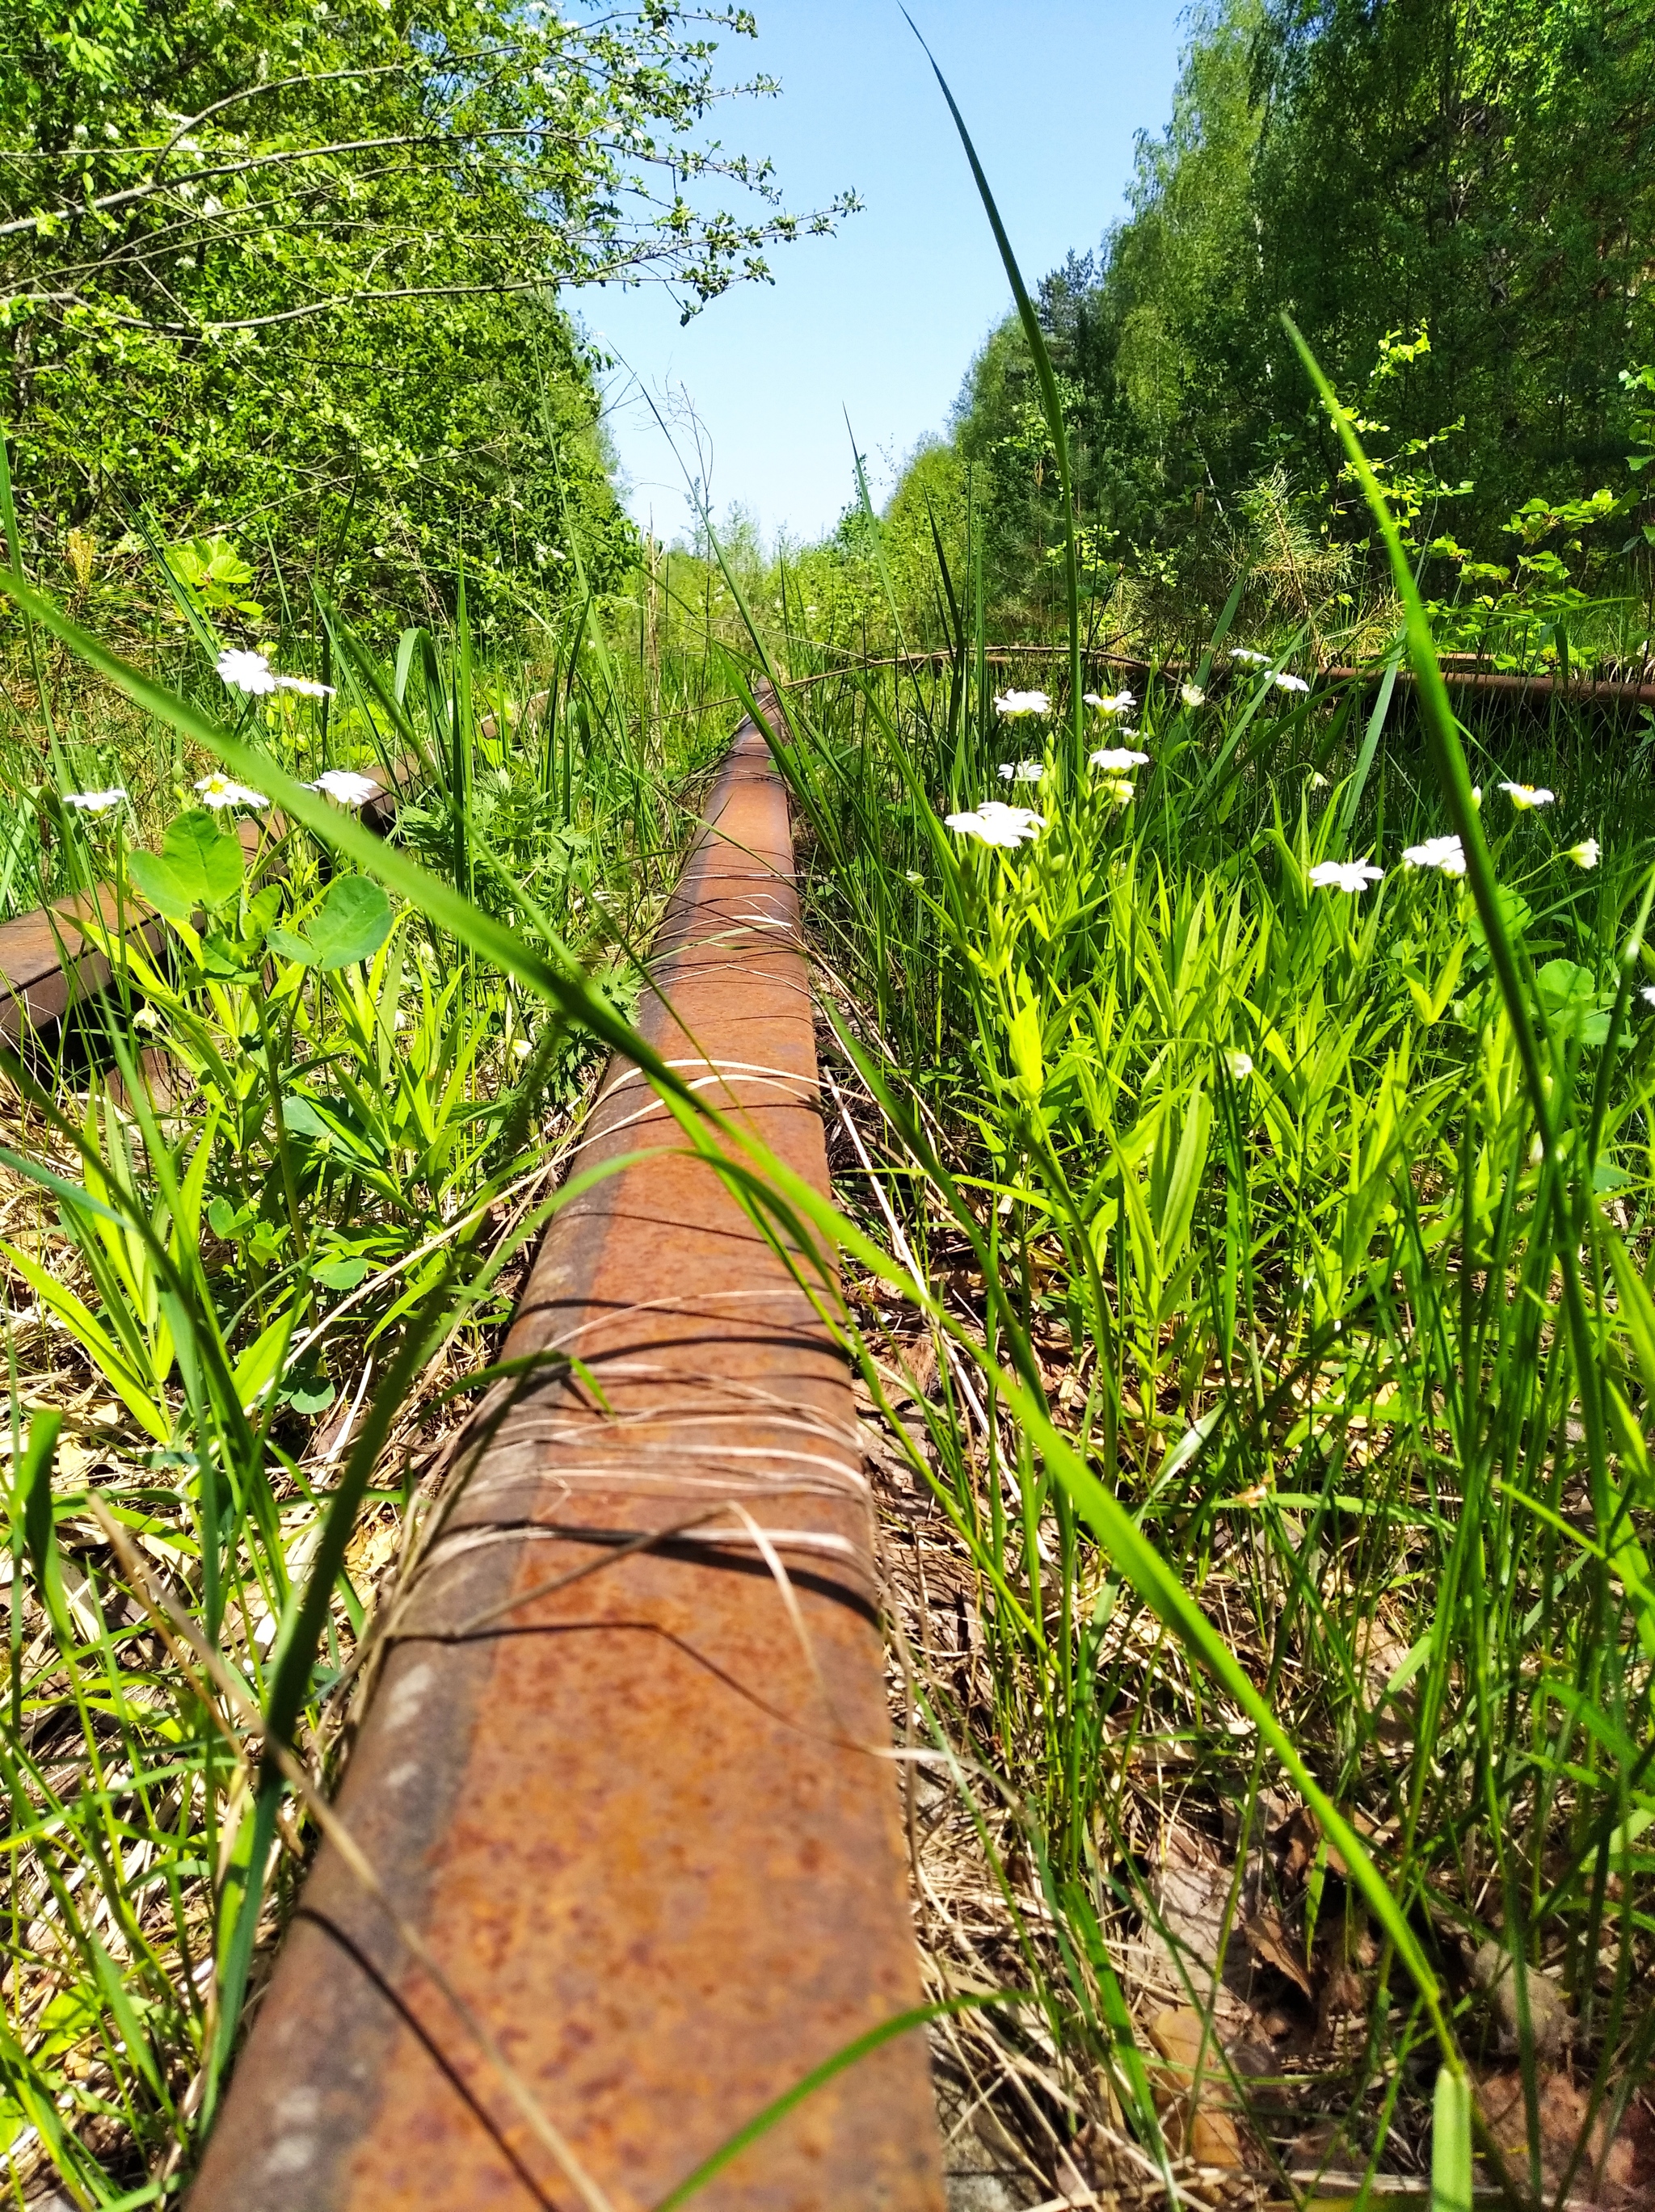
(625, 1768)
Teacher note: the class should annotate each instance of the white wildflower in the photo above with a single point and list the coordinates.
(217, 790)
(1647, 994)
(1021, 771)
(1015, 705)
(1586, 854)
(1117, 702)
(1318, 783)
(1192, 694)
(252, 673)
(1121, 790)
(1114, 758)
(346, 786)
(95, 802)
(1523, 796)
(247, 671)
(1447, 853)
(1351, 876)
(1285, 682)
(996, 824)
(1240, 1064)
(522, 1049)
(1248, 658)
(146, 1017)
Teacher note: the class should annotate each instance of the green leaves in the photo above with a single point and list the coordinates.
(1575, 1008)
(199, 867)
(354, 921)
(1451, 2143)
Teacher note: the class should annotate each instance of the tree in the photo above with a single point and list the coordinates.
(1480, 175)
(291, 262)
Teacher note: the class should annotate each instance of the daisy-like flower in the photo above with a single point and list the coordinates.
(1117, 702)
(1240, 1064)
(247, 671)
(1015, 705)
(1021, 771)
(346, 786)
(1445, 854)
(1646, 993)
(218, 791)
(1248, 658)
(252, 673)
(1192, 694)
(1285, 682)
(1523, 796)
(1586, 854)
(1351, 876)
(95, 802)
(995, 823)
(1114, 758)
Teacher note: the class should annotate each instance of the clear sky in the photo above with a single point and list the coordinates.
(882, 321)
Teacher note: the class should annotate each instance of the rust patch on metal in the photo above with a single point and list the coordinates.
(642, 1820)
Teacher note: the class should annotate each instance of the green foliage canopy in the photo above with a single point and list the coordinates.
(1483, 174)
(298, 262)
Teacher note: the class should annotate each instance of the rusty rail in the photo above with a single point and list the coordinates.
(640, 1818)
(47, 967)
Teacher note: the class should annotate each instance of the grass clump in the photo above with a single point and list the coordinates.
(266, 1203)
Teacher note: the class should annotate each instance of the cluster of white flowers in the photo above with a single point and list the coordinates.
(1021, 771)
(252, 673)
(993, 823)
(1445, 854)
(1016, 706)
(95, 802)
(345, 786)
(1117, 702)
(218, 791)
(1351, 876)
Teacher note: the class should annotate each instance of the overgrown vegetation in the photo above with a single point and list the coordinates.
(1241, 1091)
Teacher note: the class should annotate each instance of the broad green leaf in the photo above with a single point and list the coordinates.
(354, 921)
(199, 866)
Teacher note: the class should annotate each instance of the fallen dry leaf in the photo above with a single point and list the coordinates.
(1562, 2112)
(1210, 2135)
(1267, 1939)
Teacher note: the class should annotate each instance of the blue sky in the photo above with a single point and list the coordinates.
(882, 321)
